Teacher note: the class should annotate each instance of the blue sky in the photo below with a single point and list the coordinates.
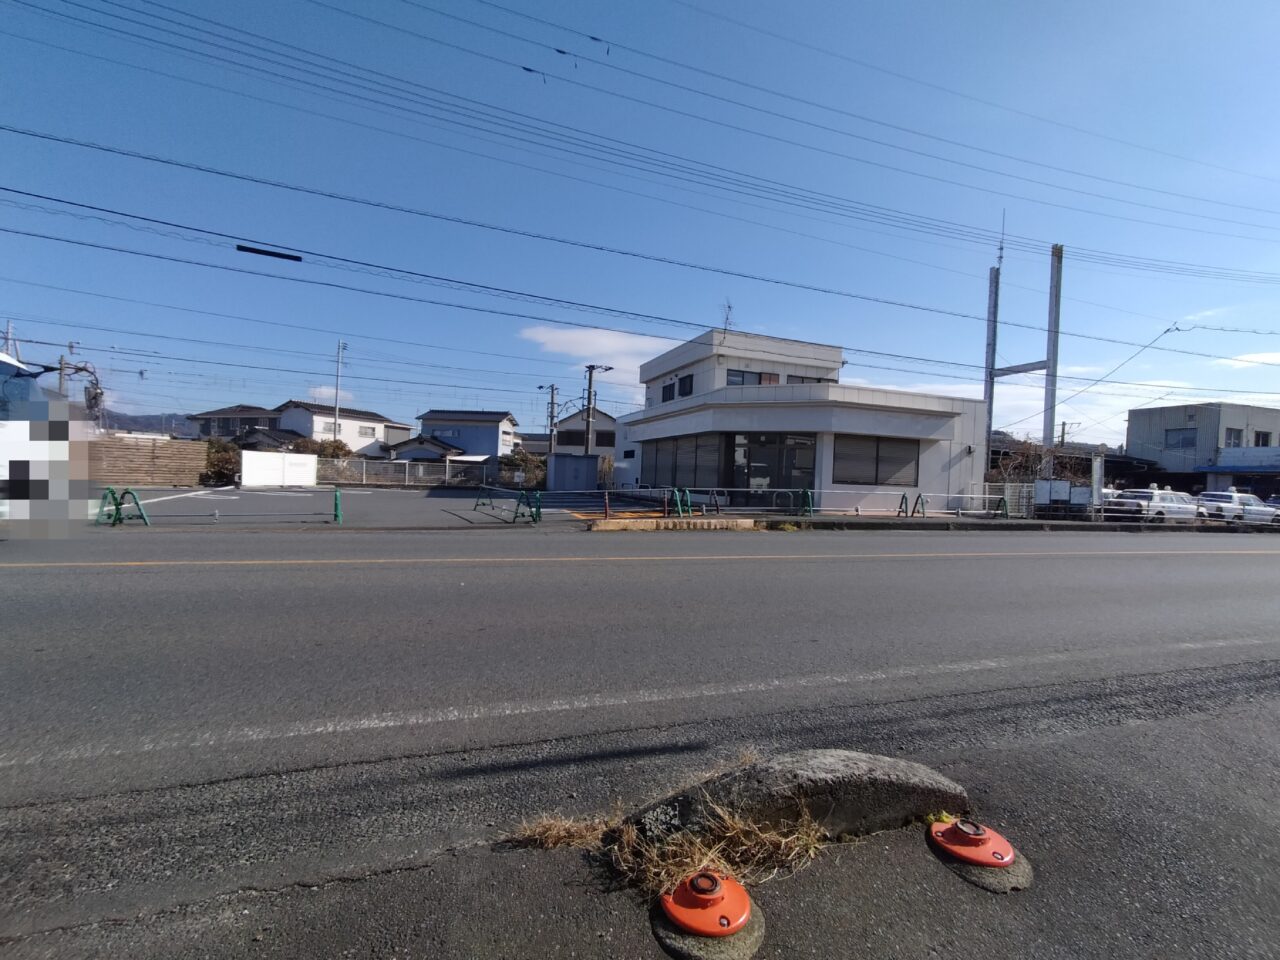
(858, 153)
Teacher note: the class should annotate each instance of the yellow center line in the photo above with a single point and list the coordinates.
(672, 558)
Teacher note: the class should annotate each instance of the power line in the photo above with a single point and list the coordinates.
(517, 294)
(1102, 379)
(966, 96)
(670, 261)
(612, 43)
(914, 223)
(796, 143)
(355, 358)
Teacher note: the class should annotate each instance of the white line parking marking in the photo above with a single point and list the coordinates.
(179, 496)
(593, 701)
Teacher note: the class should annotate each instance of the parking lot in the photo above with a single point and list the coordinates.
(437, 508)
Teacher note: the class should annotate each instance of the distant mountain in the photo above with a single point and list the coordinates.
(172, 423)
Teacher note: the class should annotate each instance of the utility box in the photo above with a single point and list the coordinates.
(573, 471)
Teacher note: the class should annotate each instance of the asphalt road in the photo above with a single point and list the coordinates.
(188, 718)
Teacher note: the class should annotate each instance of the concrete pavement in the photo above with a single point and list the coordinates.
(202, 716)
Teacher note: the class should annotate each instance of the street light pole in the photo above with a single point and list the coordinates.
(591, 403)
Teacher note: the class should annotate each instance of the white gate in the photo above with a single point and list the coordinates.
(261, 469)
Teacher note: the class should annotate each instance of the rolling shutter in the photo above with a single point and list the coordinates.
(899, 463)
(855, 460)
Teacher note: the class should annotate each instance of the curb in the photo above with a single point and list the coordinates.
(792, 524)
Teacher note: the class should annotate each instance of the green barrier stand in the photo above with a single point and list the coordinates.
(108, 508)
(1002, 508)
(919, 505)
(483, 499)
(337, 506)
(808, 503)
(904, 506)
(121, 516)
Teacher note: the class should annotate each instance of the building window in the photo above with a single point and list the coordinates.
(686, 385)
(668, 392)
(628, 454)
(225, 426)
(604, 438)
(441, 432)
(571, 438)
(880, 461)
(368, 431)
(327, 426)
(1180, 439)
(1235, 437)
(749, 378)
(1262, 438)
(792, 378)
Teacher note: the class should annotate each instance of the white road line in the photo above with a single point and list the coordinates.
(281, 493)
(179, 496)
(594, 701)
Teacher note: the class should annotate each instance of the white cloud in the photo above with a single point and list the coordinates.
(622, 351)
(1206, 314)
(324, 394)
(1080, 371)
(1246, 360)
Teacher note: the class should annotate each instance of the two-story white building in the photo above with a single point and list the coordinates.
(751, 415)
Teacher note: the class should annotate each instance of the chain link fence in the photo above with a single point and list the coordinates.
(405, 473)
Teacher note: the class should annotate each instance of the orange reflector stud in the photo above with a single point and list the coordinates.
(973, 843)
(708, 904)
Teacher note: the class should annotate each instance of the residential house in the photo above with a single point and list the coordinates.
(752, 415)
(366, 433)
(481, 433)
(424, 448)
(571, 433)
(227, 423)
(539, 443)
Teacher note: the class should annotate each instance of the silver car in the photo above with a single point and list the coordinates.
(1234, 507)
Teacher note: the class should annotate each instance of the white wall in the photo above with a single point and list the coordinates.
(261, 469)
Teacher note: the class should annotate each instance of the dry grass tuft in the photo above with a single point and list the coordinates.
(553, 830)
(726, 842)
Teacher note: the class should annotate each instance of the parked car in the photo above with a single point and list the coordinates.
(1152, 506)
(1231, 506)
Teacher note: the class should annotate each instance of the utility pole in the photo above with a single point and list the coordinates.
(591, 402)
(993, 321)
(551, 421)
(1051, 361)
(1049, 365)
(337, 388)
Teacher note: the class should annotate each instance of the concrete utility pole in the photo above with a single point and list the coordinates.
(1049, 365)
(1051, 355)
(993, 322)
(337, 387)
(551, 419)
(591, 402)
